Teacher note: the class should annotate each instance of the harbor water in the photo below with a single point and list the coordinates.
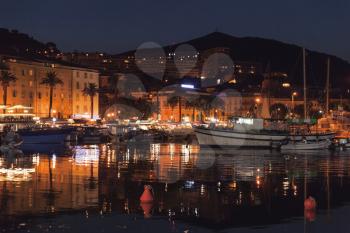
(97, 188)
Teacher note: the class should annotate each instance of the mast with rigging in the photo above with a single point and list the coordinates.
(304, 76)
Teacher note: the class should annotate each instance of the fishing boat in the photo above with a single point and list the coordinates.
(244, 132)
(301, 135)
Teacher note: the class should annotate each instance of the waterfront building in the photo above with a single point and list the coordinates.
(68, 99)
(223, 105)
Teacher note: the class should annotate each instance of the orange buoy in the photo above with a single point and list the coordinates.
(310, 203)
(147, 195)
(147, 208)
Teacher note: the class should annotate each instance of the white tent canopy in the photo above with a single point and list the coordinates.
(16, 107)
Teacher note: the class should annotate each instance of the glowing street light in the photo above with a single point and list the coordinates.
(293, 95)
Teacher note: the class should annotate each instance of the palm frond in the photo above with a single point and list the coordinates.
(90, 90)
(51, 79)
(6, 77)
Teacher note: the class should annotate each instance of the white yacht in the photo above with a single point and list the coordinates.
(244, 132)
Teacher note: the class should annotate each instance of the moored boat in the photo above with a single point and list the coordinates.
(45, 135)
(92, 135)
(246, 132)
(307, 145)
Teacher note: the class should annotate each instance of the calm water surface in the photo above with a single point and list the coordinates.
(97, 189)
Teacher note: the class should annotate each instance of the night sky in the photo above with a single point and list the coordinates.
(116, 26)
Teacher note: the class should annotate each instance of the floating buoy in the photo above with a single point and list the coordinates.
(310, 203)
(147, 208)
(147, 195)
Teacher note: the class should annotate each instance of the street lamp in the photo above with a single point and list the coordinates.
(293, 95)
(257, 102)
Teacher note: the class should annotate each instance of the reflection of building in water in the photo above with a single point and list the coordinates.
(17, 170)
(226, 187)
(166, 163)
(57, 183)
(231, 188)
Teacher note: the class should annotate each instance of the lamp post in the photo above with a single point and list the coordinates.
(293, 95)
(257, 102)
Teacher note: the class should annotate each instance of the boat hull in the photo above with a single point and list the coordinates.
(45, 136)
(226, 138)
(312, 137)
(325, 144)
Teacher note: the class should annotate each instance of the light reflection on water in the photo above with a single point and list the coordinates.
(200, 188)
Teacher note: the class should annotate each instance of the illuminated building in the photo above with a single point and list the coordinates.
(68, 99)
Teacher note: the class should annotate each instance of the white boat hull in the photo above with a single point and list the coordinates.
(312, 137)
(230, 138)
(325, 144)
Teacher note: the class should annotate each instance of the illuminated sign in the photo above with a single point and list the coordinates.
(189, 86)
(246, 121)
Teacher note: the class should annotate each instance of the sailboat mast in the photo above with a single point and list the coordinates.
(268, 89)
(304, 76)
(327, 86)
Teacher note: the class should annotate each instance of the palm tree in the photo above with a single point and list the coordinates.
(52, 81)
(91, 90)
(278, 111)
(203, 105)
(113, 87)
(216, 104)
(173, 101)
(6, 78)
(192, 103)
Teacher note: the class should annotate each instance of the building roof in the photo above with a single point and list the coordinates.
(62, 64)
